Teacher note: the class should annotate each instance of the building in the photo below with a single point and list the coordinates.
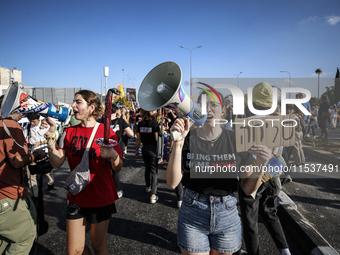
(5, 78)
(57, 96)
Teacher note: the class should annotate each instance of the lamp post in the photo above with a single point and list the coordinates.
(237, 79)
(106, 74)
(318, 72)
(190, 60)
(290, 81)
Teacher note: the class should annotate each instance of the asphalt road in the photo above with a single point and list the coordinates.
(317, 196)
(139, 227)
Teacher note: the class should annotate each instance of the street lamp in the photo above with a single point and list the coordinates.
(237, 79)
(318, 72)
(190, 60)
(106, 74)
(290, 81)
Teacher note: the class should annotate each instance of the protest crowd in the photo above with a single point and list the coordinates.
(208, 221)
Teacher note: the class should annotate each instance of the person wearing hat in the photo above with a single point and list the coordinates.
(263, 201)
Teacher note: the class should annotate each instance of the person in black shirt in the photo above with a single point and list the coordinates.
(208, 162)
(147, 133)
(324, 114)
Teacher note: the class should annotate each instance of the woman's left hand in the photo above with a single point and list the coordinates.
(263, 154)
(108, 152)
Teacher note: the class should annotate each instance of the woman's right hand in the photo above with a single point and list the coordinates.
(50, 123)
(182, 126)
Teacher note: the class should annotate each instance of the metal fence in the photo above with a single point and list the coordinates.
(55, 95)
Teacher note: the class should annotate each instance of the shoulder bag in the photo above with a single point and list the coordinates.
(80, 176)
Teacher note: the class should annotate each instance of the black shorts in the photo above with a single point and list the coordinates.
(92, 214)
(125, 139)
(323, 123)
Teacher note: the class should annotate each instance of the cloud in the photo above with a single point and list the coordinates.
(333, 20)
(310, 19)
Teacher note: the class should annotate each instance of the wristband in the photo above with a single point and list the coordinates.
(256, 174)
(51, 137)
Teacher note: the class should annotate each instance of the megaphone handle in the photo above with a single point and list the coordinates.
(175, 134)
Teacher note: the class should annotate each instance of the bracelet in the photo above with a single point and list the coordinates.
(255, 174)
(258, 175)
(51, 137)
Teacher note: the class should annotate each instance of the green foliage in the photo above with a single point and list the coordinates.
(314, 100)
(331, 95)
(120, 101)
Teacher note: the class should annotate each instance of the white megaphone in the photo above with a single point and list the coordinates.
(17, 101)
(161, 87)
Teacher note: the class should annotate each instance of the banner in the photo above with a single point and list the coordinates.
(131, 94)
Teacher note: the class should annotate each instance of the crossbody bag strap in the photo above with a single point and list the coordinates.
(94, 131)
(10, 135)
(3, 161)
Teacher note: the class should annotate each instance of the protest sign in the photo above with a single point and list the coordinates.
(271, 131)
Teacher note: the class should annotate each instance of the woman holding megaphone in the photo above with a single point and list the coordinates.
(95, 204)
(206, 161)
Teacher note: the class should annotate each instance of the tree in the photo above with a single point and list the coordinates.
(337, 87)
(330, 94)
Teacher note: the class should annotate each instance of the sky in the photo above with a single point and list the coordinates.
(67, 43)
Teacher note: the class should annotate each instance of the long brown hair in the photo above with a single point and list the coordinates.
(146, 115)
(91, 98)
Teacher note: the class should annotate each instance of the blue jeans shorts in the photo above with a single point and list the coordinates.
(206, 222)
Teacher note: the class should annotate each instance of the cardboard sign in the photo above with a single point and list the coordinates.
(271, 131)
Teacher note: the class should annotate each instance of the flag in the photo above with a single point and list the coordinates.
(121, 91)
(116, 97)
(12, 76)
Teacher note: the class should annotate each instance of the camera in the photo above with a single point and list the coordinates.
(41, 166)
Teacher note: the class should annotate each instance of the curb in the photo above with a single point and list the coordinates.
(311, 240)
(322, 154)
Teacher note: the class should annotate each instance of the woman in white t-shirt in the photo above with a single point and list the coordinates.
(334, 116)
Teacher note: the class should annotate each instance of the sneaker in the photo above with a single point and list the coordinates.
(287, 179)
(153, 199)
(179, 204)
(160, 161)
(148, 189)
(315, 136)
(120, 193)
(307, 135)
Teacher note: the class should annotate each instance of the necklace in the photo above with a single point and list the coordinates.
(212, 141)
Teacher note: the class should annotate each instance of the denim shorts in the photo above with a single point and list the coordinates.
(206, 222)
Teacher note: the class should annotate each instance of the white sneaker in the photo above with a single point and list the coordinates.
(120, 193)
(307, 135)
(288, 179)
(148, 189)
(315, 136)
(153, 199)
(179, 204)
